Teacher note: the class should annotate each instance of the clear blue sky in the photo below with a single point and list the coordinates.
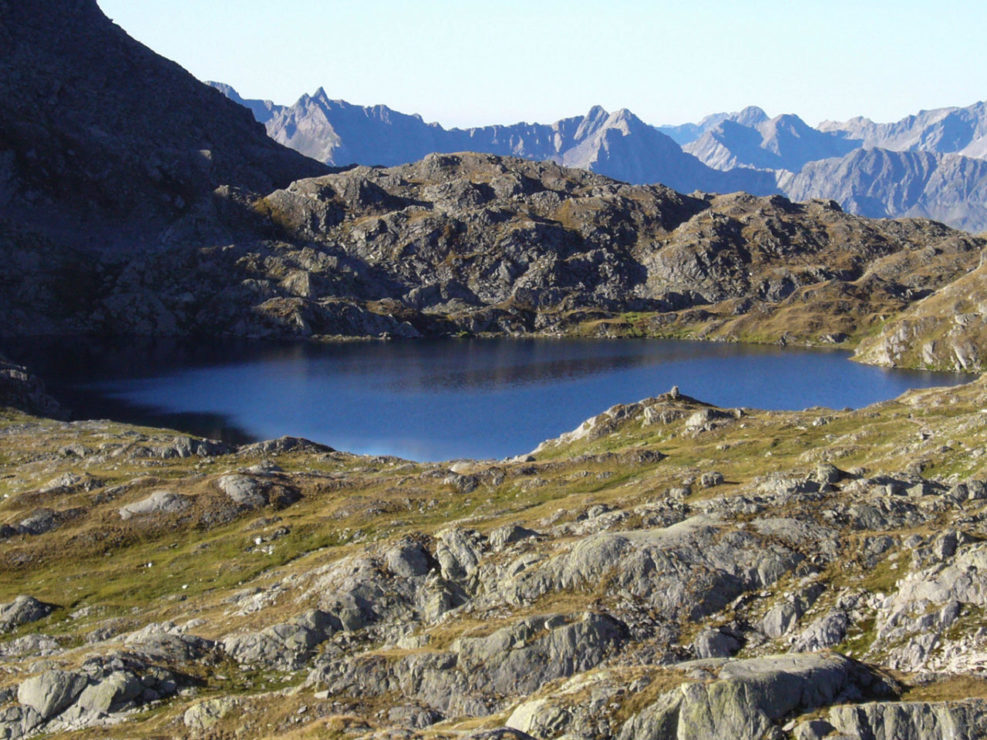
(461, 62)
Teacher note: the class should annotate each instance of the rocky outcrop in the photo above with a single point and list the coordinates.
(286, 646)
(962, 720)
(159, 502)
(23, 390)
(102, 686)
(438, 248)
(479, 244)
(739, 699)
(475, 675)
(945, 331)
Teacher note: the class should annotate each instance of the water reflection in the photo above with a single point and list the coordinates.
(437, 399)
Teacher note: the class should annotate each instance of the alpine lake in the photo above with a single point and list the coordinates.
(435, 399)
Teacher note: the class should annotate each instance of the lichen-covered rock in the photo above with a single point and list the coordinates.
(16, 721)
(509, 534)
(458, 552)
(25, 391)
(408, 559)
(505, 733)
(44, 519)
(525, 655)
(689, 569)
(283, 444)
(580, 707)
(191, 447)
(782, 617)
(715, 643)
(958, 720)
(742, 699)
(34, 645)
(825, 632)
(201, 716)
(286, 646)
(476, 674)
(116, 689)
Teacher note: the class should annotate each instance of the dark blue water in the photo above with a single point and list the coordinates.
(436, 400)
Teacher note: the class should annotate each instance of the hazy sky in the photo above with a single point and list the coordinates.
(468, 63)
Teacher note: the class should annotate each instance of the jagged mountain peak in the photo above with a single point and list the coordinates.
(783, 143)
(749, 116)
(623, 114)
(788, 120)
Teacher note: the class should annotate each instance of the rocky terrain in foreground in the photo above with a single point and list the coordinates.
(666, 570)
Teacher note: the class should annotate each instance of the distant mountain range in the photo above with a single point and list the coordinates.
(618, 144)
(932, 164)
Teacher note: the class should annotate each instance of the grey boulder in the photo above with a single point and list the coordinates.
(715, 643)
(243, 490)
(22, 610)
(408, 559)
(114, 690)
(51, 692)
(283, 646)
(159, 502)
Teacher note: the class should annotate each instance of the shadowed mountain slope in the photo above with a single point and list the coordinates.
(98, 134)
(881, 184)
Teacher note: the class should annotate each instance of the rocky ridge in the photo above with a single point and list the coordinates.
(945, 330)
(951, 130)
(880, 183)
(472, 243)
